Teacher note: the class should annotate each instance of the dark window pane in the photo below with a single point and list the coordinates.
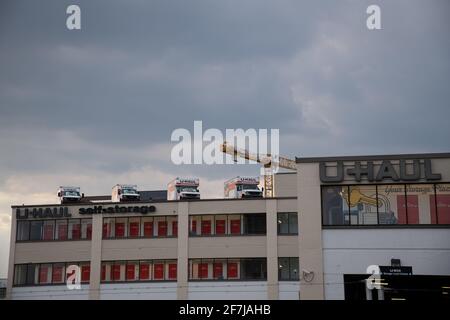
(23, 230)
(31, 279)
(293, 223)
(283, 268)
(36, 230)
(254, 223)
(283, 223)
(293, 268)
(20, 274)
(253, 269)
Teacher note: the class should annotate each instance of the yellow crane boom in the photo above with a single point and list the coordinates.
(266, 160)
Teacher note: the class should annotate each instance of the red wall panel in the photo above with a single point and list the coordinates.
(411, 208)
(148, 229)
(144, 271)
(134, 229)
(218, 270)
(235, 226)
(120, 230)
(162, 228)
(232, 270)
(158, 271)
(206, 227)
(220, 226)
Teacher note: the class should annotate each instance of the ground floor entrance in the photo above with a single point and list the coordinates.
(398, 287)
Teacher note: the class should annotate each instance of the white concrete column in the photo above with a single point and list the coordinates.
(96, 257)
(272, 249)
(183, 238)
(310, 231)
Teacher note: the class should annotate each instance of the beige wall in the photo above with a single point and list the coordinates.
(285, 184)
(58, 251)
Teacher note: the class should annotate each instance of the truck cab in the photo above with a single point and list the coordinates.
(69, 194)
(183, 189)
(124, 193)
(242, 187)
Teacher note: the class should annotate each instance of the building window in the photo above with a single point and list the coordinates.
(206, 225)
(220, 223)
(145, 270)
(172, 271)
(395, 207)
(86, 229)
(158, 271)
(228, 269)
(147, 227)
(61, 230)
(253, 269)
(23, 230)
(254, 223)
(442, 203)
(134, 227)
(227, 224)
(85, 272)
(134, 271)
(36, 230)
(47, 273)
(74, 229)
(362, 201)
(287, 223)
(234, 224)
(108, 228)
(172, 226)
(58, 272)
(140, 227)
(288, 269)
(120, 228)
(386, 204)
(20, 274)
(161, 230)
(49, 230)
(334, 206)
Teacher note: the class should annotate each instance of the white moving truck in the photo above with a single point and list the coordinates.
(242, 187)
(125, 192)
(69, 194)
(183, 188)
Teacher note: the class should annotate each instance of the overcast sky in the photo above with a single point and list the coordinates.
(97, 107)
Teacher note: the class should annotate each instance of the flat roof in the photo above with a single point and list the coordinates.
(131, 203)
(375, 157)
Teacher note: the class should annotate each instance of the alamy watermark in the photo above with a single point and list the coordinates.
(374, 280)
(73, 276)
(206, 146)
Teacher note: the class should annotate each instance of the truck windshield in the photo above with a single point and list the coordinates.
(249, 187)
(187, 189)
(71, 194)
(129, 191)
